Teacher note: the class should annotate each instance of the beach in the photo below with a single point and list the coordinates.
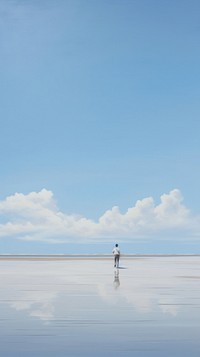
(83, 306)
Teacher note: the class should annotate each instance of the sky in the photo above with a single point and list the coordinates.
(99, 139)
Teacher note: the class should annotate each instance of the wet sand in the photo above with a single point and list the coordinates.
(80, 306)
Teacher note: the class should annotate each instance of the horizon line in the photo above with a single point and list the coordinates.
(95, 255)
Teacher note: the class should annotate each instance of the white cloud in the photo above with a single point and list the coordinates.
(35, 216)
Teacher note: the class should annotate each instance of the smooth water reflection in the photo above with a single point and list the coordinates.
(149, 307)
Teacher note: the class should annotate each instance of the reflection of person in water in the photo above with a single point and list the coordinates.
(116, 253)
(116, 281)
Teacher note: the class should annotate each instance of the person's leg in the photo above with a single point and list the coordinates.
(117, 261)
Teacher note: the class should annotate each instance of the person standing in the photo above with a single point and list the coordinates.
(116, 253)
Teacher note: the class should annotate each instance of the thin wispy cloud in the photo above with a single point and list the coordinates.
(35, 216)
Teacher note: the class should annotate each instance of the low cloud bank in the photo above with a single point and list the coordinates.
(35, 216)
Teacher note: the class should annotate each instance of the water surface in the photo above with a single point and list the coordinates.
(85, 307)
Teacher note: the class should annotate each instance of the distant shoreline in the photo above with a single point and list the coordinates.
(54, 257)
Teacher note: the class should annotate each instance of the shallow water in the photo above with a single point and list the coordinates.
(149, 307)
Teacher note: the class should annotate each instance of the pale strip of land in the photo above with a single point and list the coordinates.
(30, 257)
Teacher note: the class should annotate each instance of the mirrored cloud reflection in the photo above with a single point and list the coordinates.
(150, 306)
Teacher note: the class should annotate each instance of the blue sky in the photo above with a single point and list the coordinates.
(99, 108)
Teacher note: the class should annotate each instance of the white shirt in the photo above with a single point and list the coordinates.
(116, 251)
